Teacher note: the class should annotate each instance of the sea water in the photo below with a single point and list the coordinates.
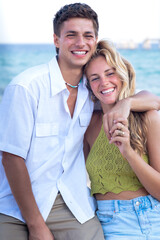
(15, 58)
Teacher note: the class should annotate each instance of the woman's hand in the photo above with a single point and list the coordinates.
(120, 135)
(120, 110)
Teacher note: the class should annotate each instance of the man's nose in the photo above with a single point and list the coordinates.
(80, 41)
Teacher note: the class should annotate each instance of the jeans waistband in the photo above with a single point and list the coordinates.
(133, 204)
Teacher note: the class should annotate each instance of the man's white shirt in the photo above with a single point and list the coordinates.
(35, 124)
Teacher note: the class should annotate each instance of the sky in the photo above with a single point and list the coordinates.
(30, 21)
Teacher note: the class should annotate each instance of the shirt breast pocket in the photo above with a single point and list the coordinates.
(84, 119)
(46, 129)
(45, 142)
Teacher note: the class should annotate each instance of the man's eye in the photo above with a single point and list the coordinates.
(89, 36)
(70, 35)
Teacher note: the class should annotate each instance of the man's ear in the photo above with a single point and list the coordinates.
(96, 39)
(56, 40)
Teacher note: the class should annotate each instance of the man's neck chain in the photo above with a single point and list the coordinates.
(73, 86)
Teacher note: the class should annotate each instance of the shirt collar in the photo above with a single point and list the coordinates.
(56, 78)
(57, 81)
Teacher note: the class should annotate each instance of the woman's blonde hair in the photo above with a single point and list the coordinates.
(127, 75)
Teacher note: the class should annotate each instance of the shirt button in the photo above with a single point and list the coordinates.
(137, 203)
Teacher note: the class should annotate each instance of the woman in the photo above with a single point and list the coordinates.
(124, 170)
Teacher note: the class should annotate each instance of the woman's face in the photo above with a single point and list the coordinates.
(104, 81)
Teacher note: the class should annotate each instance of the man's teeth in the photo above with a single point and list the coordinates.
(108, 91)
(79, 52)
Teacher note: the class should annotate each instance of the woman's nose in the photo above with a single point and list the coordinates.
(104, 80)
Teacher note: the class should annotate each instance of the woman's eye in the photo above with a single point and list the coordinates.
(94, 79)
(110, 74)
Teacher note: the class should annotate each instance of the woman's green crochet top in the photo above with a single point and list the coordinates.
(108, 170)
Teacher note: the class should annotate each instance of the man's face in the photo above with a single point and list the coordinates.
(76, 43)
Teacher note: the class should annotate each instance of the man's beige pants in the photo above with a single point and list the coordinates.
(61, 223)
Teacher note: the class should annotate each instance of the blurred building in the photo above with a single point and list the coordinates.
(146, 44)
(151, 44)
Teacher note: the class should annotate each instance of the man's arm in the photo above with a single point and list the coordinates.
(140, 102)
(144, 101)
(18, 178)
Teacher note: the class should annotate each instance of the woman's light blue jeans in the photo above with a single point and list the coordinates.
(134, 219)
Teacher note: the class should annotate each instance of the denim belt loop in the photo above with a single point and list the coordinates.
(116, 206)
(151, 200)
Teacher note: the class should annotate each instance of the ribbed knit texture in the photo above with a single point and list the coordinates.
(108, 170)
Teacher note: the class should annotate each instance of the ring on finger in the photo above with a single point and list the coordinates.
(120, 129)
(120, 133)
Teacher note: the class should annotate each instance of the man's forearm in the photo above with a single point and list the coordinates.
(143, 101)
(18, 178)
(20, 184)
(140, 102)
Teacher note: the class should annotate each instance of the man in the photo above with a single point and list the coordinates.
(44, 114)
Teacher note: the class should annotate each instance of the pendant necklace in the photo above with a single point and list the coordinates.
(73, 86)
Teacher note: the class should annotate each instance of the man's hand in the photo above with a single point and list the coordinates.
(120, 110)
(40, 232)
(140, 102)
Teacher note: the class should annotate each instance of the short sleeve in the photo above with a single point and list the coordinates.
(17, 116)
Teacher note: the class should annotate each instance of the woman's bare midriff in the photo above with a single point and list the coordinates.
(125, 195)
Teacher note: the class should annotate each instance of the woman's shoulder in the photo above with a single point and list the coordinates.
(152, 116)
(152, 120)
